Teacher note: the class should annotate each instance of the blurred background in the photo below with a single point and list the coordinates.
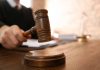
(71, 16)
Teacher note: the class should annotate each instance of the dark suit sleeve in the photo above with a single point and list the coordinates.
(1, 16)
(1, 24)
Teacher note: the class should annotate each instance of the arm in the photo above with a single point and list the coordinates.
(10, 36)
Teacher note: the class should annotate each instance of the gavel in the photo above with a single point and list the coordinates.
(43, 58)
(42, 26)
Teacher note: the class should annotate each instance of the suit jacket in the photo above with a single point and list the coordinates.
(11, 16)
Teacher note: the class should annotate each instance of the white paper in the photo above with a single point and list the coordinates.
(35, 43)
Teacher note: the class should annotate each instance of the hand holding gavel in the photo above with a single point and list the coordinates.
(13, 36)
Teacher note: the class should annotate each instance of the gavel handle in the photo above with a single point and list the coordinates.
(30, 31)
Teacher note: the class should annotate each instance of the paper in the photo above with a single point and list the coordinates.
(35, 43)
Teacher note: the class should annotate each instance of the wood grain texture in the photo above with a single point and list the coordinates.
(79, 56)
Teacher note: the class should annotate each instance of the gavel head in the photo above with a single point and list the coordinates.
(42, 25)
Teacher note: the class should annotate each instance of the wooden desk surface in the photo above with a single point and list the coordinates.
(79, 56)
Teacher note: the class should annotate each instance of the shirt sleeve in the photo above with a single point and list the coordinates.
(1, 24)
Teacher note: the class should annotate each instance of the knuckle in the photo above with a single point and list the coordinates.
(7, 31)
(15, 27)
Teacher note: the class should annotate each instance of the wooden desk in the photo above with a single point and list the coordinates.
(79, 56)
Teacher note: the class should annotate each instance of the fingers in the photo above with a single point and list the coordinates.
(9, 43)
(18, 33)
(11, 37)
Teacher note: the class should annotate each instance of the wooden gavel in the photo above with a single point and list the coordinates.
(42, 26)
(43, 58)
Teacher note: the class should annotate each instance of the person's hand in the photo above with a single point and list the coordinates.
(11, 37)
